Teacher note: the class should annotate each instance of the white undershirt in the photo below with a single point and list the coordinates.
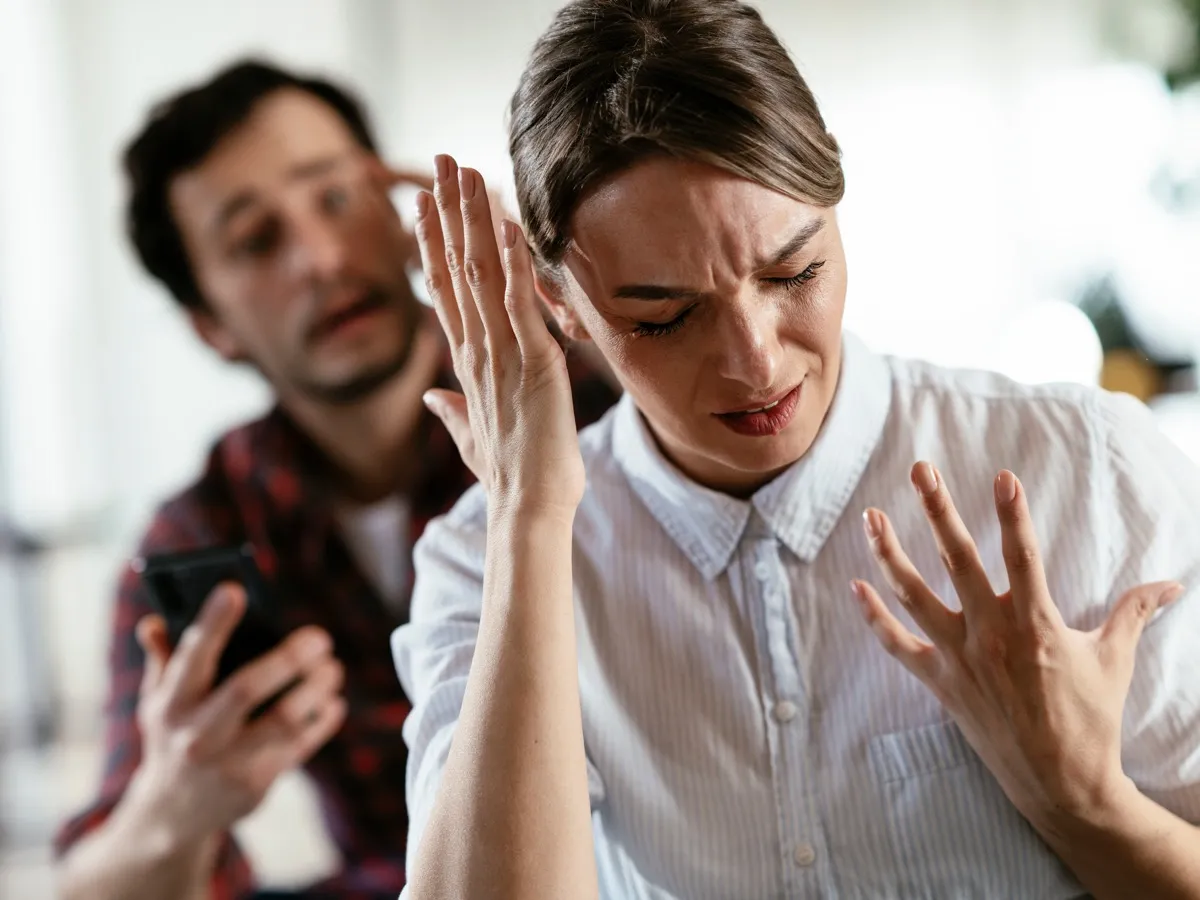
(377, 536)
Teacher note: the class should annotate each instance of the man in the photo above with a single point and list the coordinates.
(258, 200)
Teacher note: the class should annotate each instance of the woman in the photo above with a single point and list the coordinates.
(657, 682)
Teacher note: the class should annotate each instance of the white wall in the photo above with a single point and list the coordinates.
(934, 102)
(937, 105)
(109, 403)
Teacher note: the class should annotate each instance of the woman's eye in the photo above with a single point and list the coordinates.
(661, 329)
(809, 273)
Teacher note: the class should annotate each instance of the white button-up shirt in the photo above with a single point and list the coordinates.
(746, 735)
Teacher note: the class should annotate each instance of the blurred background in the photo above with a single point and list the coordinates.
(1023, 195)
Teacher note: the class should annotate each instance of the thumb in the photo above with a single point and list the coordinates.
(451, 408)
(152, 636)
(1133, 612)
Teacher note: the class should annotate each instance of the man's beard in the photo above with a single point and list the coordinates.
(367, 382)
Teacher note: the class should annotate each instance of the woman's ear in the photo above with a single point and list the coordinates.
(568, 321)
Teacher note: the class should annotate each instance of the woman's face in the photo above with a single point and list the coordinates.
(718, 304)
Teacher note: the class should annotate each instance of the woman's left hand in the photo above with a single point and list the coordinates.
(1041, 703)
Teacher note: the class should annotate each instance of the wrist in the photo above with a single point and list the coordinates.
(523, 511)
(1104, 809)
(143, 819)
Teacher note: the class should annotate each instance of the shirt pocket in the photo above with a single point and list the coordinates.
(954, 833)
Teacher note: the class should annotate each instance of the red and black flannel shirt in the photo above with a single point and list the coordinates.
(262, 484)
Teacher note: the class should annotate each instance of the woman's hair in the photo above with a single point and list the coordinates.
(613, 82)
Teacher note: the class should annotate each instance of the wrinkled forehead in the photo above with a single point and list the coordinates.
(667, 220)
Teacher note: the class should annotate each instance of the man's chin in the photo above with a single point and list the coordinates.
(356, 387)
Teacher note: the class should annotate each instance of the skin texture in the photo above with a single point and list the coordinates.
(748, 335)
(1040, 703)
(512, 817)
(285, 226)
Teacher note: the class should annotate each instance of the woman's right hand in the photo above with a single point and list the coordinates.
(514, 423)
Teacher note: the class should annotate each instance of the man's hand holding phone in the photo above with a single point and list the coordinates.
(206, 760)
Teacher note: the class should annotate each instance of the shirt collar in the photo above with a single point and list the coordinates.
(800, 507)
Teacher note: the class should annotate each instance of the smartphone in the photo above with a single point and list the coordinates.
(179, 583)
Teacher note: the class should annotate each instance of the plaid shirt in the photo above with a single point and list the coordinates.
(262, 484)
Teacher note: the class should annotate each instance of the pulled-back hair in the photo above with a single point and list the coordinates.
(613, 82)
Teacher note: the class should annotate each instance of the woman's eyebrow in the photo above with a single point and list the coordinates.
(796, 244)
(667, 292)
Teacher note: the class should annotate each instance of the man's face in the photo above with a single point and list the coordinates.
(712, 297)
(298, 254)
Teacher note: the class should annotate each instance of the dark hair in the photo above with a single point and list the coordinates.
(612, 82)
(181, 131)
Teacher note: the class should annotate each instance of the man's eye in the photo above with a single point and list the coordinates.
(335, 199)
(257, 243)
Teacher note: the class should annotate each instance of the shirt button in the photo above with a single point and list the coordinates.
(784, 711)
(805, 855)
(762, 571)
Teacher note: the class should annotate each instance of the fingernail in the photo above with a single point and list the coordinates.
(315, 643)
(1006, 487)
(431, 401)
(871, 523)
(441, 163)
(422, 204)
(221, 599)
(466, 183)
(1171, 593)
(925, 478)
(856, 590)
(509, 231)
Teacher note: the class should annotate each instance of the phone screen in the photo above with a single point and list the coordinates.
(179, 583)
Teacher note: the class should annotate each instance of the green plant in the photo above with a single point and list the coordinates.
(1188, 70)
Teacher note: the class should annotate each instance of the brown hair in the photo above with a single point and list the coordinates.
(612, 82)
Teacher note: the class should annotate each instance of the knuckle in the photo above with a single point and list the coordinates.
(473, 211)
(435, 282)
(1145, 606)
(1042, 642)
(478, 272)
(191, 745)
(453, 260)
(958, 560)
(1022, 559)
(937, 505)
(240, 690)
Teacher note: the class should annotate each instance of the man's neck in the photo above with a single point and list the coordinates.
(370, 445)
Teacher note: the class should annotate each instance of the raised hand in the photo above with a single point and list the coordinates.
(1041, 703)
(514, 423)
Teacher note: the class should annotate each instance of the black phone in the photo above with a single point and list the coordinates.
(179, 583)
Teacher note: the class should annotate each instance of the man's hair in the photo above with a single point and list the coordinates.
(181, 131)
(613, 82)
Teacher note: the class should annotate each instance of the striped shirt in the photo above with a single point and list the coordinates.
(746, 735)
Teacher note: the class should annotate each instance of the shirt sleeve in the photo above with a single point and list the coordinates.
(433, 651)
(1154, 497)
(123, 745)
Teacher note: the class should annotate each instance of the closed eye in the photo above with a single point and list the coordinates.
(661, 329)
(795, 281)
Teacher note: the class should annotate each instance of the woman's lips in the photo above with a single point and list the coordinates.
(767, 420)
